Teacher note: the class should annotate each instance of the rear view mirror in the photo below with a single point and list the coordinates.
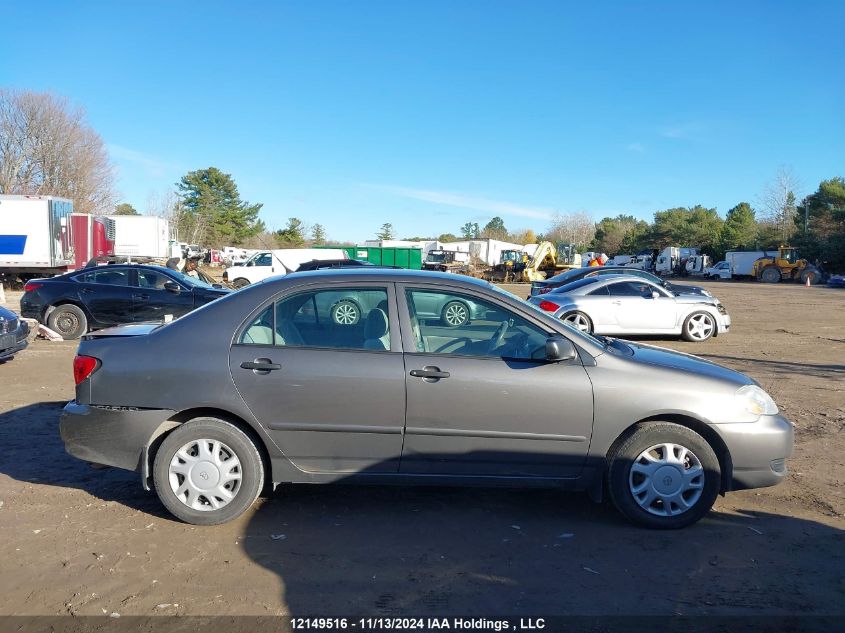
(172, 286)
(559, 348)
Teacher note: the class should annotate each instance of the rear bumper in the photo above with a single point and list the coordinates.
(758, 450)
(111, 436)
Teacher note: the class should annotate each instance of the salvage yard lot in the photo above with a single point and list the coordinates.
(74, 540)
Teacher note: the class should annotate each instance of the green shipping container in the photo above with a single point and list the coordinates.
(399, 256)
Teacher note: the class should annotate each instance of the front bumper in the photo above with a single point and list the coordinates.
(758, 450)
(724, 324)
(112, 436)
(13, 342)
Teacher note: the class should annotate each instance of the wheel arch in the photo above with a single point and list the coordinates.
(694, 424)
(186, 415)
(63, 302)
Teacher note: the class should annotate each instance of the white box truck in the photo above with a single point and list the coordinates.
(35, 236)
(141, 235)
(272, 263)
(741, 263)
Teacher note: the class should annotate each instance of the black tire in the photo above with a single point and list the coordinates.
(68, 320)
(346, 312)
(240, 282)
(812, 274)
(699, 315)
(454, 314)
(575, 317)
(770, 275)
(622, 482)
(251, 469)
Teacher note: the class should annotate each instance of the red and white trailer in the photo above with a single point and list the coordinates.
(41, 236)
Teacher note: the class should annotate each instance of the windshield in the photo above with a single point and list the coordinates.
(436, 257)
(192, 282)
(569, 274)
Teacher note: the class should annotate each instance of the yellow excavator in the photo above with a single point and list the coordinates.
(550, 259)
(786, 266)
(511, 264)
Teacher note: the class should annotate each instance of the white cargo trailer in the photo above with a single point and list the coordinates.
(141, 235)
(35, 236)
(741, 263)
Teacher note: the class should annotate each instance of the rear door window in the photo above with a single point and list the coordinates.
(109, 276)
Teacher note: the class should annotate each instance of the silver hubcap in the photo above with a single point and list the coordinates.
(579, 321)
(345, 314)
(205, 475)
(700, 326)
(666, 479)
(456, 314)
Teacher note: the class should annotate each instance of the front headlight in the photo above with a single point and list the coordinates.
(755, 401)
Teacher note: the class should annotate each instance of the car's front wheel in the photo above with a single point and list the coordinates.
(664, 475)
(68, 320)
(207, 471)
(698, 327)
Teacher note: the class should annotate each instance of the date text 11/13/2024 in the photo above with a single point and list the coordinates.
(415, 624)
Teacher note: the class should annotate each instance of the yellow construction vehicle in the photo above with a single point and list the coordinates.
(511, 264)
(786, 266)
(549, 259)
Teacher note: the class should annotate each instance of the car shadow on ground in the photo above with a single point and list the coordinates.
(411, 551)
(32, 451)
(781, 366)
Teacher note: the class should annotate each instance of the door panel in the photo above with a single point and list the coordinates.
(107, 294)
(334, 397)
(151, 302)
(479, 407)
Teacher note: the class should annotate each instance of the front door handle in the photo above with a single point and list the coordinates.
(260, 365)
(429, 372)
(141, 297)
(616, 303)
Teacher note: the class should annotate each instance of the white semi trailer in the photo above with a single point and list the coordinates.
(141, 236)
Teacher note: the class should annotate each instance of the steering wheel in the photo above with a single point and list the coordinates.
(498, 337)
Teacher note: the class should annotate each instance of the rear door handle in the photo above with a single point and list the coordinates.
(141, 297)
(260, 365)
(616, 303)
(430, 372)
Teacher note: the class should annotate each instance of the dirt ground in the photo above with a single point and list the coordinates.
(75, 540)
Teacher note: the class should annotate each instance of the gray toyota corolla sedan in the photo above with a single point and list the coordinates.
(260, 385)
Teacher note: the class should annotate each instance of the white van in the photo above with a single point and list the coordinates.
(264, 264)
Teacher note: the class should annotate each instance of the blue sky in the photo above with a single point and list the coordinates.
(429, 114)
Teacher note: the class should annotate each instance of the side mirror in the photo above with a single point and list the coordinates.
(559, 348)
(172, 286)
(655, 294)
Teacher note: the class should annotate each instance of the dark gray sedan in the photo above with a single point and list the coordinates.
(259, 386)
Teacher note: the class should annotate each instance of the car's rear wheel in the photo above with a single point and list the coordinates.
(579, 320)
(68, 320)
(454, 314)
(207, 471)
(346, 312)
(664, 476)
(698, 327)
(240, 282)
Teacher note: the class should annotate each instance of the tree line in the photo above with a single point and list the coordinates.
(47, 147)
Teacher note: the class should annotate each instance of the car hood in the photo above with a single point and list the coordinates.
(685, 298)
(661, 357)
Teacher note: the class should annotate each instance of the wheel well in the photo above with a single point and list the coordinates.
(190, 414)
(704, 430)
(64, 302)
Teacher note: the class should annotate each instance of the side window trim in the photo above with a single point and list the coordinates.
(392, 317)
(409, 340)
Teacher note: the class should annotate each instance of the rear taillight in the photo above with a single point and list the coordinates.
(84, 366)
(31, 286)
(548, 306)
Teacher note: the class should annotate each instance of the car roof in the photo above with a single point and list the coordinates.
(375, 273)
